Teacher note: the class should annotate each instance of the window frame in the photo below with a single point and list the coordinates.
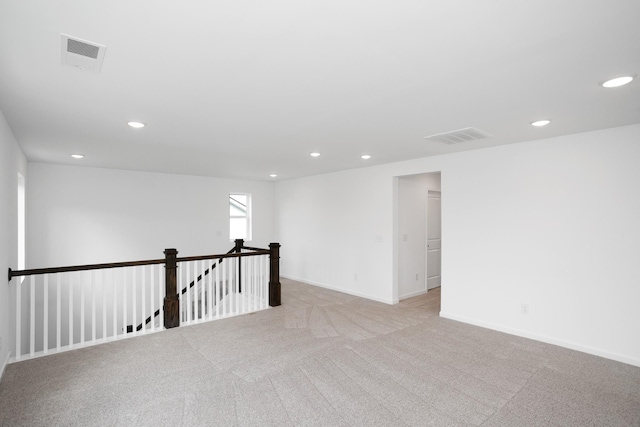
(248, 217)
(22, 222)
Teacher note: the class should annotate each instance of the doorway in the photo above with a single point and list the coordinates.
(417, 239)
(434, 240)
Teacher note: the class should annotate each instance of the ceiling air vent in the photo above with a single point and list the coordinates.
(460, 135)
(81, 53)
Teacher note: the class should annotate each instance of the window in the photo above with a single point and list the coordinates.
(21, 223)
(240, 216)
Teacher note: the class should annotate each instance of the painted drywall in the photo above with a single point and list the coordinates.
(551, 224)
(549, 227)
(336, 231)
(79, 215)
(412, 213)
(12, 162)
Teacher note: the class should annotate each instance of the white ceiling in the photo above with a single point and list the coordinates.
(243, 88)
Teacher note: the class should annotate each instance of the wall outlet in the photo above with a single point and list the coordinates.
(524, 308)
(416, 276)
(355, 277)
(0, 343)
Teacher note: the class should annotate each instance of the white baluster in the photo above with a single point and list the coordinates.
(161, 292)
(256, 283)
(236, 289)
(114, 304)
(93, 306)
(70, 341)
(82, 286)
(45, 316)
(267, 277)
(141, 285)
(124, 305)
(265, 280)
(225, 285)
(32, 314)
(203, 295)
(210, 291)
(188, 290)
(231, 292)
(261, 282)
(18, 317)
(243, 286)
(103, 286)
(58, 313)
(231, 283)
(152, 285)
(248, 282)
(134, 303)
(255, 268)
(180, 278)
(248, 264)
(216, 284)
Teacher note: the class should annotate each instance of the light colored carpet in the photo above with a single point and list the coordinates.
(323, 359)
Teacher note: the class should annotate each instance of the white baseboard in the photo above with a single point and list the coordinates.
(4, 364)
(344, 291)
(413, 294)
(542, 338)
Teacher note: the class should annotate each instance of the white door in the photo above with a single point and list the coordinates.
(434, 240)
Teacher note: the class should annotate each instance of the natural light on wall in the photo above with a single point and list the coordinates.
(240, 216)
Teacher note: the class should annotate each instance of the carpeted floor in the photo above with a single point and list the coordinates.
(323, 359)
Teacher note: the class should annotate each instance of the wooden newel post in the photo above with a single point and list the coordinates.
(239, 245)
(274, 275)
(171, 301)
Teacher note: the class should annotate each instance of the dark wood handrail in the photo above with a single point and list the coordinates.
(249, 248)
(31, 272)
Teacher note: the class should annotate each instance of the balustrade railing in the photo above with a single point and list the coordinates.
(63, 308)
(234, 285)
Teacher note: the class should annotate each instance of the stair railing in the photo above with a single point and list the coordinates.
(62, 308)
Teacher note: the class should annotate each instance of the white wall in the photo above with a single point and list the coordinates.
(79, 215)
(550, 223)
(412, 213)
(12, 162)
(336, 231)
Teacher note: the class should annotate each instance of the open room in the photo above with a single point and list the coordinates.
(320, 213)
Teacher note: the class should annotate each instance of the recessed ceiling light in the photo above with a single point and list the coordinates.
(314, 154)
(273, 175)
(365, 156)
(618, 81)
(77, 156)
(540, 123)
(136, 125)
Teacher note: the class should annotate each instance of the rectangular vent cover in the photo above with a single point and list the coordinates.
(457, 136)
(81, 53)
(84, 49)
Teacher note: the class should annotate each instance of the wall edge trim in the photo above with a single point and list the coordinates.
(337, 289)
(629, 360)
(4, 365)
